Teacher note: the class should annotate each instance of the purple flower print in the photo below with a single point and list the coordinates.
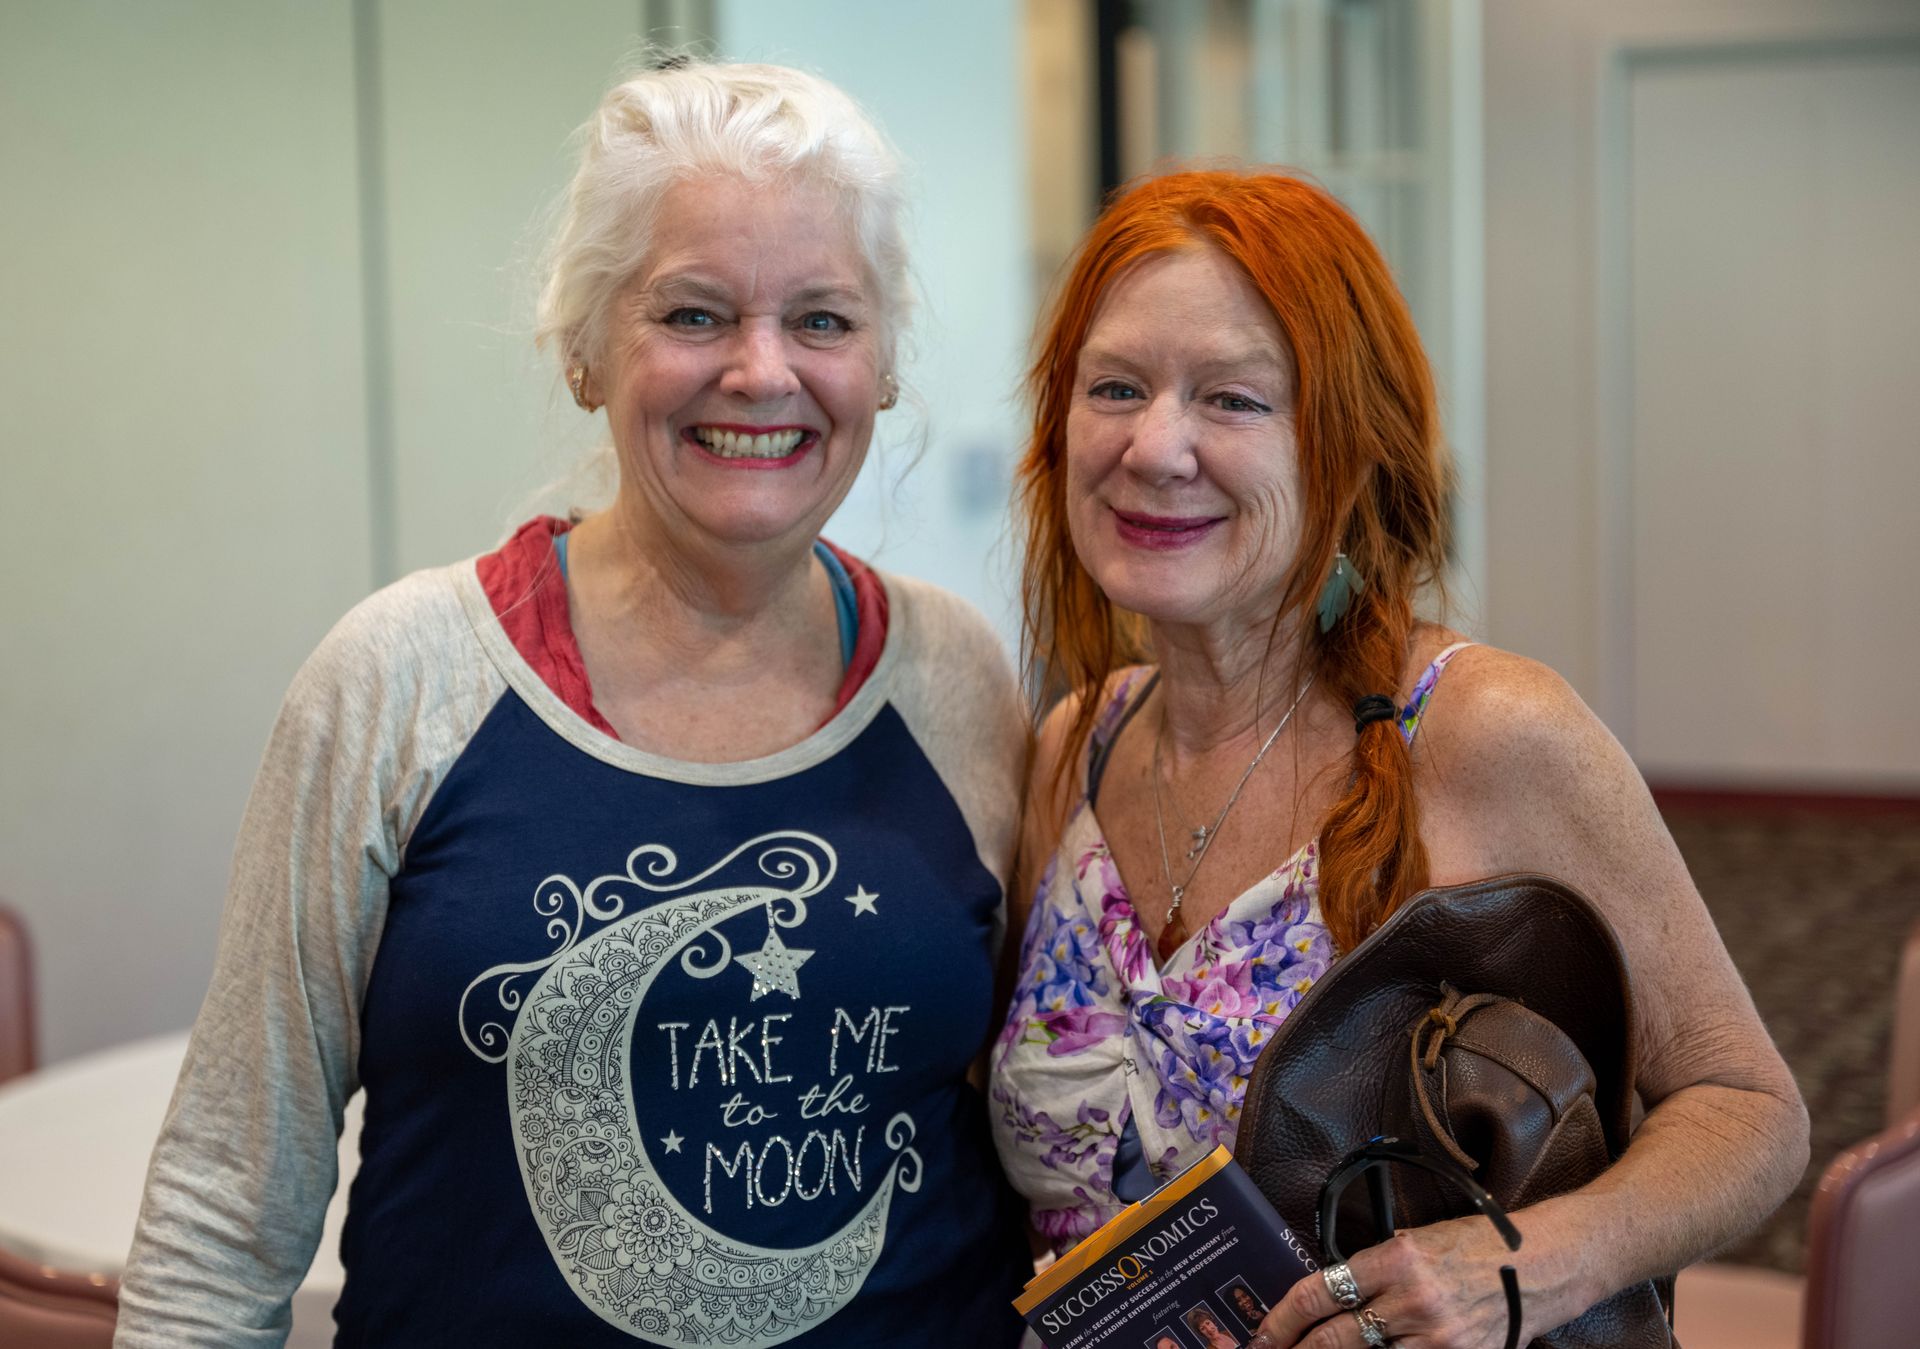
(1249, 1038)
(1197, 1096)
(1065, 1228)
(1217, 990)
(1245, 935)
(1038, 932)
(1059, 970)
(1085, 1147)
(1119, 924)
(1077, 1027)
(1064, 971)
(1089, 997)
(1307, 944)
(1275, 958)
(1097, 861)
(1202, 1058)
(1188, 1060)
(1126, 946)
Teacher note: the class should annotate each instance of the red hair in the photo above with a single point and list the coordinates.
(1373, 474)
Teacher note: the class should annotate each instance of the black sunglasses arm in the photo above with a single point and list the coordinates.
(1373, 1159)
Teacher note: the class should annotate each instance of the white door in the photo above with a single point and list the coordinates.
(1774, 464)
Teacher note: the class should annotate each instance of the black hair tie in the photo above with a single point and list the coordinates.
(1374, 707)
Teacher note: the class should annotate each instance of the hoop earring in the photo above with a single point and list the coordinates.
(1336, 596)
(577, 381)
(889, 392)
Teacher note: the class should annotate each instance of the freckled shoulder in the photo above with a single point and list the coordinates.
(1516, 774)
(1498, 725)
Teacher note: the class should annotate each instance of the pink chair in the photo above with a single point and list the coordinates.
(40, 1307)
(16, 997)
(43, 1308)
(1863, 1241)
(1903, 1059)
(1863, 1234)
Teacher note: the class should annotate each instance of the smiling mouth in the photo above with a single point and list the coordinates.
(1163, 533)
(1165, 524)
(725, 443)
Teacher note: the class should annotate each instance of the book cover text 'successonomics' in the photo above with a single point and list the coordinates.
(1194, 1265)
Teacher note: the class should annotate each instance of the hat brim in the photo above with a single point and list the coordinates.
(1330, 1078)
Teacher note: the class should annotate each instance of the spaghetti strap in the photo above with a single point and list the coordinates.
(1121, 710)
(1409, 720)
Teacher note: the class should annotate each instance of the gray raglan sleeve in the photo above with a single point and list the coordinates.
(246, 1160)
(957, 693)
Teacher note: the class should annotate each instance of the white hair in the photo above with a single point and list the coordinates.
(690, 118)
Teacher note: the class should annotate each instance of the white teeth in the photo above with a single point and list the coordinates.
(733, 445)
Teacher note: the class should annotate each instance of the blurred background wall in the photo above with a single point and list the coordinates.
(267, 284)
(1702, 295)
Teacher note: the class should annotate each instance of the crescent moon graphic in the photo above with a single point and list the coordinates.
(630, 1250)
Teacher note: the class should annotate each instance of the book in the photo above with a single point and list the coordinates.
(1194, 1265)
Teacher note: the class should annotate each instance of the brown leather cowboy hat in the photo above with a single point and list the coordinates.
(1336, 1072)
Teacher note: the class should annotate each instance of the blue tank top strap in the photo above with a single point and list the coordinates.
(1409, 719)
(846, 601)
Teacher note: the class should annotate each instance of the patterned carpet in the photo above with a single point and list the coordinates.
(1815, 908)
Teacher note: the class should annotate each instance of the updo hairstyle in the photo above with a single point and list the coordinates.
(765, 124)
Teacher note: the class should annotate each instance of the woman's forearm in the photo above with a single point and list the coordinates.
(1706, 1166)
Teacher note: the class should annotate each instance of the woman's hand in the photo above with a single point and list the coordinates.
(1435, 1287)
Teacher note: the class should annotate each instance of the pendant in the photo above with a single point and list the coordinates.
(1172, 937)
(1200, 837)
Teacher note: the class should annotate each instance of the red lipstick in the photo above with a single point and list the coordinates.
(1162, 533)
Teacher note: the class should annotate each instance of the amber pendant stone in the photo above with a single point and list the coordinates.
(1172, 937)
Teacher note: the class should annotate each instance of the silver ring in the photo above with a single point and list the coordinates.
(1340, 1283)
(1373, 1329)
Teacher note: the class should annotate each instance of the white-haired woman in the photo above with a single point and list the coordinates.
(647, 872)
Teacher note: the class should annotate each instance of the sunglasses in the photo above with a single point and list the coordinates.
(1373, 1160)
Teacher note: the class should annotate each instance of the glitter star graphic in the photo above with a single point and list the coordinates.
(862, 901)
(673, 1140)
(776, 967)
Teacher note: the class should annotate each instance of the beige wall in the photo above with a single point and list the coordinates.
(1559, 406)
(1770, 460)
(184, 509)
(477, 104)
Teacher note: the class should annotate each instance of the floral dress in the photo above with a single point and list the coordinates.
(1113, 1074)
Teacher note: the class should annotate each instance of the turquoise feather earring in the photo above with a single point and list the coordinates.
(1343, 583)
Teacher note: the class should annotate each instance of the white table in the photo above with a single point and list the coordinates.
(74, 1143)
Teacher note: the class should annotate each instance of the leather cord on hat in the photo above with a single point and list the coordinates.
(1373, 707)
(1443, 1020)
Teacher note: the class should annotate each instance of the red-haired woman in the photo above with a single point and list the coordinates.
(1235, 490)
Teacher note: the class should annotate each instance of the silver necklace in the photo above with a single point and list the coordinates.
(1204, 836)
